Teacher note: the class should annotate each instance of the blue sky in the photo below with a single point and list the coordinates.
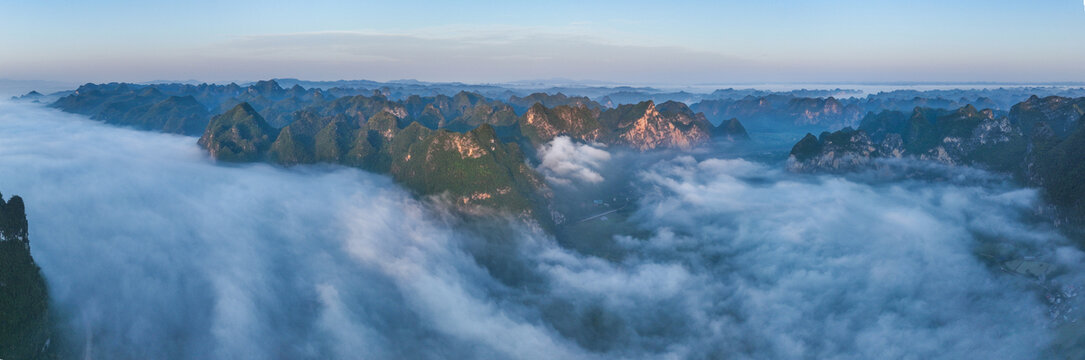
(492, 41)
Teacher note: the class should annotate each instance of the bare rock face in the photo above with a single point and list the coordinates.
(967, 131)
(843, 150)
(474, 169)
(892, 146)
(965, 136)
(541, 124)
(674, 127)
(1041, 143)
(644, 126)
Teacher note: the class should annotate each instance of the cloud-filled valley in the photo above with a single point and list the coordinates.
(152, 250)
(564, 162)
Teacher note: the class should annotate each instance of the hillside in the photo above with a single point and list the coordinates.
(25, 326)
(465, 146)
(1040, 142)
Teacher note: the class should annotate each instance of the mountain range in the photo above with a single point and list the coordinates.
(470, 148)
(761, 109)
(442, 144)
(1040, 142)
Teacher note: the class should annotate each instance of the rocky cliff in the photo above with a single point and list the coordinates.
(645, 126)
(965, 136)
(408, 138)
(844, 150)
(189, 109)
(1041, 142)
(25, 325)
(475, 169)
(541, 124)
(183, 109)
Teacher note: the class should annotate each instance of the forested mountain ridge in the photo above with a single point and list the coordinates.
(1040, 141)
(465, 146)
(25, 327)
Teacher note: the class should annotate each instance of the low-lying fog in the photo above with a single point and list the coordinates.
(151, 250)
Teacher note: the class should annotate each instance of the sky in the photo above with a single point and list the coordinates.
(634, 42)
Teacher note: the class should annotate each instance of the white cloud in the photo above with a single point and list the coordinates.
(156, 252)
(830, 268)
(159, 253)
(564, 161)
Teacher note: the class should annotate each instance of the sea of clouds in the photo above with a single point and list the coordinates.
(152, 250)
(564, 162)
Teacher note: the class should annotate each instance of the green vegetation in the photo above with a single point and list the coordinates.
(884, 123)
(332, 143)
(731, 129)
(541, 124)
(1006, 157)
(522, 104)
(473, 168)
(185, 109)
(297, 142)
(1060, 114)
(465, 146)
(1062, 170)
(238, 135)
(25, 325)
(146, 109)
(1041, 142)
(807, 148)
(624, 115)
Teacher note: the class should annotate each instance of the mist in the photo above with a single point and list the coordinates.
(152, 250)
(563, 162)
